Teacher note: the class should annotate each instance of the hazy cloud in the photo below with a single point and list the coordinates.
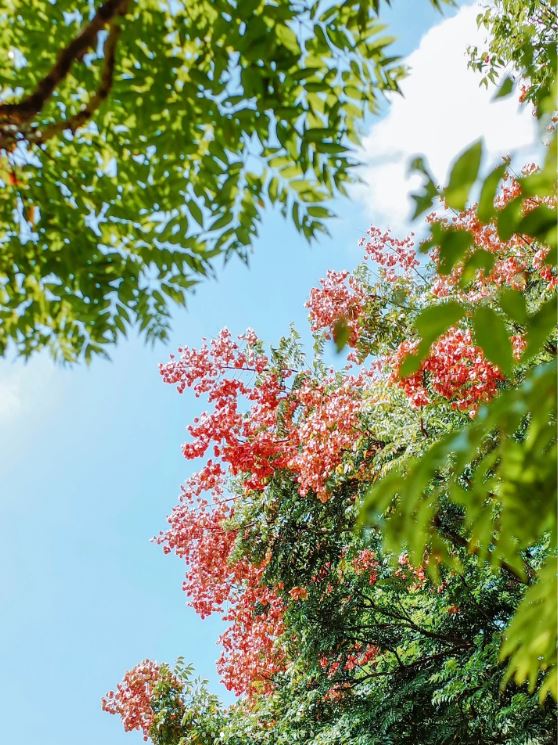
(442, 110)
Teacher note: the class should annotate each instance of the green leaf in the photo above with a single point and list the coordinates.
(463, 175)
(222, 221)
(317, 211)
(330, 147)
(433, 321)
(287, 37)
(196, 212)
(492, 336)
(486, 209)
(509, 217)
(538, 222)
(341, 334)
(425, 199)
(479, 260)
(513, 304)
(539, 328)
(505, 89)
(453, 245)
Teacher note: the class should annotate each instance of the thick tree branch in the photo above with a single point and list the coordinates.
(40, 135)
(16, 119)
(25, 110)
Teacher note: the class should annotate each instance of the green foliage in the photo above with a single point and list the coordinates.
(185, 715)
(530, 633)
(213, 111)
(521, 41)
(491, 334)
(500, 469)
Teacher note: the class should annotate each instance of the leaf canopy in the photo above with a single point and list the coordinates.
(140, 141)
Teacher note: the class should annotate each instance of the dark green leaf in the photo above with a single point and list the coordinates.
(453, 245)
(505, 89)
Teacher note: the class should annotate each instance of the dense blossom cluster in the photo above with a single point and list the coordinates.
(345, 296)
(132, 698)
(256, 427)
(365, 562)
(417, 574)
(516, 260)
(243, 444)
(394, 256)
(327, 426)
(259, 428)
(252, 653)
(216, 583)
(340, 296)
(455, 369)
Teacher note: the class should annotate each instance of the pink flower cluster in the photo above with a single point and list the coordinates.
(407, 571)
(253, 429)
(327, 426)
(395, 256)
(217, 583)
(516, 260)
(455, 369)
(341, 296)
(197, 534)
(243, 444)
(365, 562)
(132, 699)
(256, 429)
(252, 653)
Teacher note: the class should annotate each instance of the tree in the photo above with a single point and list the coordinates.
(335, 635)
(139, 141)
(501, 468)
(436, 622)
(521, 43)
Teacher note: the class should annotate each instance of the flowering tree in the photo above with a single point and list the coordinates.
(392, 631)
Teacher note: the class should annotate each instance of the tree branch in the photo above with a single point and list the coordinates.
(15, 116)
(459, 542)
(38, 135)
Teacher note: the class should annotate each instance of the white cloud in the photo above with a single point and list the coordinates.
(442, 110)
(25, 389)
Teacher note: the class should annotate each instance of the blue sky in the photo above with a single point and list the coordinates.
(91, 465)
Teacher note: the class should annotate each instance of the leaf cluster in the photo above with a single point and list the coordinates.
(216, 111)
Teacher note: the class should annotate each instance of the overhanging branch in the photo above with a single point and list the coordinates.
(16, 117)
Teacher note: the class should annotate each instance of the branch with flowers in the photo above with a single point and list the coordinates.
(320, 613)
